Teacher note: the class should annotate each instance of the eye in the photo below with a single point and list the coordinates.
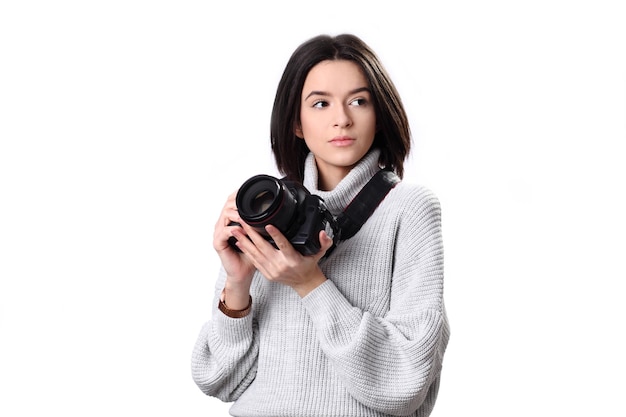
(320, 104)
(358, 102)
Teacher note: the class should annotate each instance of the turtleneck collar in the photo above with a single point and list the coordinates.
(338, 198)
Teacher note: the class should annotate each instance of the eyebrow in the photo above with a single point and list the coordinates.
(324, 93)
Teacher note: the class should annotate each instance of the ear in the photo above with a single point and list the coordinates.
(297, 130)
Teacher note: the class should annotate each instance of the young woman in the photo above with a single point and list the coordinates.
(363, 331)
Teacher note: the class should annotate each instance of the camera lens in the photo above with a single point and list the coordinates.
(264, 200)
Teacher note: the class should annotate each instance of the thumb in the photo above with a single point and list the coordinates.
(325, 242)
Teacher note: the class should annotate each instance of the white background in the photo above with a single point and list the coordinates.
(125, 124)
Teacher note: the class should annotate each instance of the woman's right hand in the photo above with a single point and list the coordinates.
(239, 269)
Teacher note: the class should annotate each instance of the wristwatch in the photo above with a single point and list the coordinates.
(235, 314)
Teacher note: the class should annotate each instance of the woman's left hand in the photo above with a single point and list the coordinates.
(285, 264)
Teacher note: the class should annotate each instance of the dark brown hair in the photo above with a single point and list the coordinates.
(393, 136)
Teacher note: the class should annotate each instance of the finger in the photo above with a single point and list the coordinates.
(231, 201)
(249, 240)
(280, 240)
(263, 255)
(325, 243)
(241, 237)
(251, 251)
(226, 219)
(259, 241)
(231, 204)
(232, 215)
(222, 235)
(325, 240)
(229, 212)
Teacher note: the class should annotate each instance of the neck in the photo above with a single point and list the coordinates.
(338, 193)
(329, 177)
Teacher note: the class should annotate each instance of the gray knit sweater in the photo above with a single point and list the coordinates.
(369, 341)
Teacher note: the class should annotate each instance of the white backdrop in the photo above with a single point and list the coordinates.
(125, 124)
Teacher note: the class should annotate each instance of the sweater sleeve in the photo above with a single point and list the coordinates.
(224, 359)
(390, 363)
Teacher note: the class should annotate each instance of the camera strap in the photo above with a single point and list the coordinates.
(365, 202)
(362, 206)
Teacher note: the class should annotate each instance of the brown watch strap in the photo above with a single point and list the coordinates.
(235, 314)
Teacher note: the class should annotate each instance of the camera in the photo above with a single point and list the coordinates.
(288, 206)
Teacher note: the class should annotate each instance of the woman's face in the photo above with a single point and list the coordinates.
(337, 118)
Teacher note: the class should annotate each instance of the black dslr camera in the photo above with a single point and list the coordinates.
(288, 206)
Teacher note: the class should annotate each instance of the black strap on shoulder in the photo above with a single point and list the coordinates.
(365, 202)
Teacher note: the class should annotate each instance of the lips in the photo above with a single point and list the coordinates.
(342, 141)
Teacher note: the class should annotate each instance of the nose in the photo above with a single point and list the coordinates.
(342, 117)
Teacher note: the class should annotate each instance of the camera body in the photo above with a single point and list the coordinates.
(288, 206)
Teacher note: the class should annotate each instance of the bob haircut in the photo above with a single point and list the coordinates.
(393, 135)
